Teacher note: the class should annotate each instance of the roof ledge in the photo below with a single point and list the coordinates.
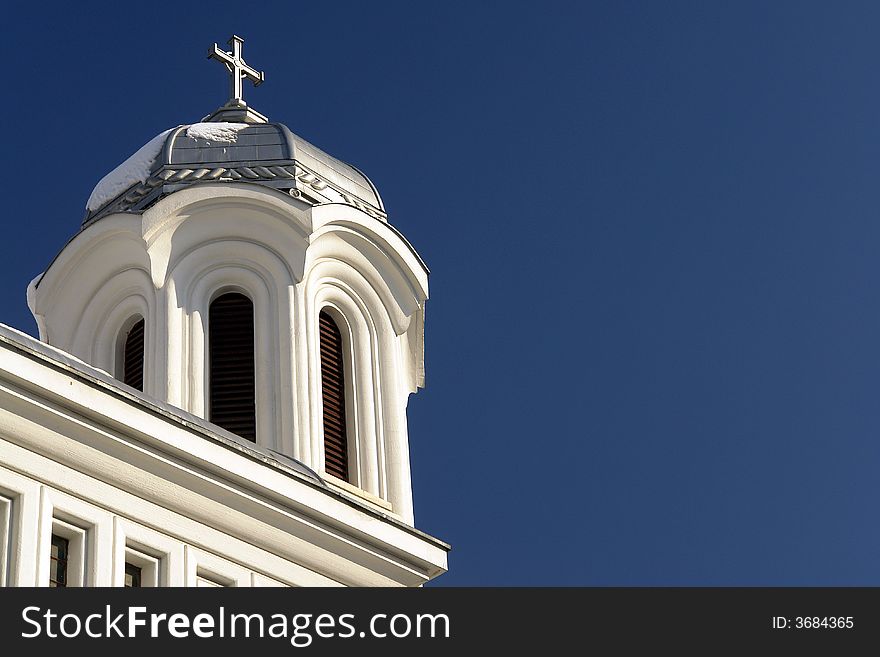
(236, 111)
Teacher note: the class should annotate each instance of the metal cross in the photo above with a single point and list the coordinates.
(238, 69)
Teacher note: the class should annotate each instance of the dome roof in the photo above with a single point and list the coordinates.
(266, 154)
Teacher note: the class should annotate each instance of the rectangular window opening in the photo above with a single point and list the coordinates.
(67, 555)
(59, 557)
(141, 568)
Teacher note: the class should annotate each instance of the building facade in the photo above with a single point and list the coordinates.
(218, 396)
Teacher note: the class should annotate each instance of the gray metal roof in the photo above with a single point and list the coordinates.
(267, 154)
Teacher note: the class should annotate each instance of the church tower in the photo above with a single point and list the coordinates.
(236, 281)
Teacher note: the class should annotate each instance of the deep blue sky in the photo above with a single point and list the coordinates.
(653, 338)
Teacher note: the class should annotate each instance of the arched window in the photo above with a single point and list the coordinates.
(132, 369)
(231, 364)
(333, 397)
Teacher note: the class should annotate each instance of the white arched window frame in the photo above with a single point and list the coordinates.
(257, 238)
(386, 284)
(97, 270)
(205, 288)
(363, 399)
(112, 311)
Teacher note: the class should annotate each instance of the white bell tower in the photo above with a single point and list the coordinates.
(240, 208)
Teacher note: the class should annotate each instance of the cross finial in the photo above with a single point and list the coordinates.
(238, 69)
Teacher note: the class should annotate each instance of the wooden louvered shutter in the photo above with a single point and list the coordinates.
(333, 396)
(231, 367)
(133, 357)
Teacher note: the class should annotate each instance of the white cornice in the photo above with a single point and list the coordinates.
(57, 406)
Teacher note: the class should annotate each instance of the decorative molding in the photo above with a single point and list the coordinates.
(303, 184)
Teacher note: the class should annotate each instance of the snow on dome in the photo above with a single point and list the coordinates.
(135, 169)
(219, 132)
(230, 150)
